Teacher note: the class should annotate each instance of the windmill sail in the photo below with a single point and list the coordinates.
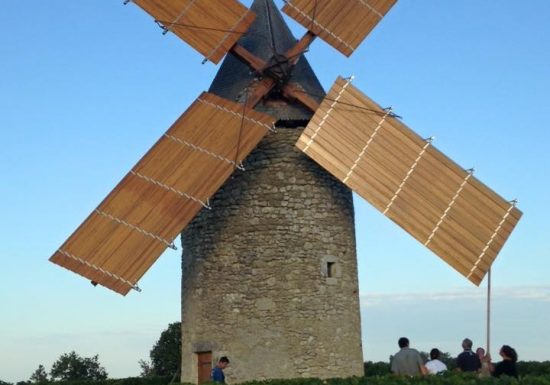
(343, 24)
(440, 204)
(139, 219)
(211, 30)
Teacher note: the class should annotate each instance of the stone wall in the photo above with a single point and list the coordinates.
(270, 273)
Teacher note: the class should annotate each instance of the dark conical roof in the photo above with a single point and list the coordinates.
(267, 36)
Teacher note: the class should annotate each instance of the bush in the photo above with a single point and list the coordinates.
(165, 380)
(534, 368)
(525, 368)
(376, 368)
(450, 378)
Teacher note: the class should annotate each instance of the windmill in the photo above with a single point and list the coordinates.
(270, 272)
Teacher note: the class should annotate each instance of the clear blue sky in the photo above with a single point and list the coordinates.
(87, 86)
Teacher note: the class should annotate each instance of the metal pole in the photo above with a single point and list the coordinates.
(488, 311)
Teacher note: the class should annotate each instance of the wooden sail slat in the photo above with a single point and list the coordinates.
(344, 24)
(401, 134)
(135, 223)
(440, 161)
(439, 203)
(211, 30)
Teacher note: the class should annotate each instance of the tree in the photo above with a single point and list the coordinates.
(448, 360)
(146, 368)
(534, 368)
(70, 366)
(165, 355)
(39, 376)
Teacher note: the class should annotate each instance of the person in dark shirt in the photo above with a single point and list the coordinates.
(468, 361)
(508, 364)
(217, 374)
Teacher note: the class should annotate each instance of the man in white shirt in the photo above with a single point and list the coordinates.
(435, 366)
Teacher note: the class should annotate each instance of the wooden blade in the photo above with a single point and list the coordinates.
(135, 223)
(440, 204)
(212, 27)
(344, 24)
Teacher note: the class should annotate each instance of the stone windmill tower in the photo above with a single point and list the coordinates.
(270, 274)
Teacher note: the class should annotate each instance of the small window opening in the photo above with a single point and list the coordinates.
(330, 269)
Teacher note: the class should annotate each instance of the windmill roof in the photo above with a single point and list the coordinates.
(268, 35)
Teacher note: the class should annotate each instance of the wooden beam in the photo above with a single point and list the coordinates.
(295, 91)
(301, 46)
(248, 57)
(259, 89)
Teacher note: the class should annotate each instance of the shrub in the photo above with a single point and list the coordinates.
(376, 368)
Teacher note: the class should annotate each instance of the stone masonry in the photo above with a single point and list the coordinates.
(270, 273)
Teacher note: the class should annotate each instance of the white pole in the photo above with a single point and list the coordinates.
(488, 311)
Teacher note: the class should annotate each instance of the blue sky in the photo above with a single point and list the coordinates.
(87, 87)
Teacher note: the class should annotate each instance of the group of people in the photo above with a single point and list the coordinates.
(408, 361)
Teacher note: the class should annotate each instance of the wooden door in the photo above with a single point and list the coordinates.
(204, 362)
